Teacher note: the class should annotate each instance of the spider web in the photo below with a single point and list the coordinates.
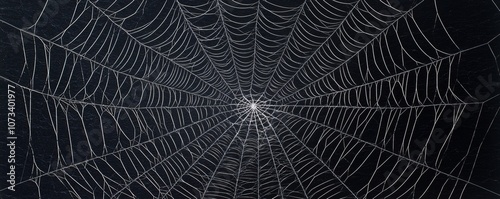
(254, 99)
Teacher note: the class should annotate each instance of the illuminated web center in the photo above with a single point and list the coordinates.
(252, 109)
(253, 106)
